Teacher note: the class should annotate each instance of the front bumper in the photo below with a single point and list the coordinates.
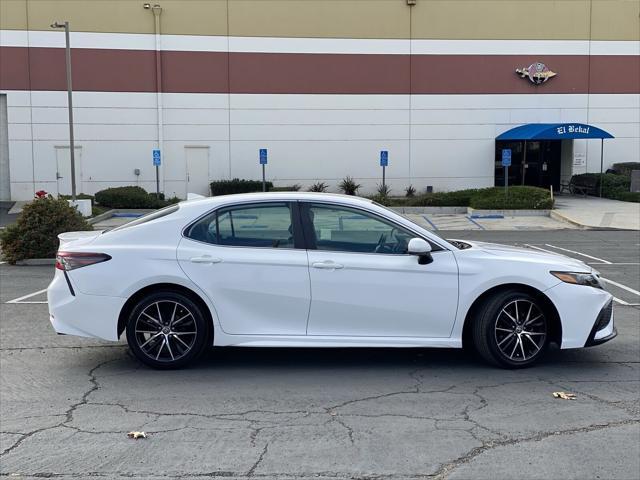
(603, 328)
(75, 313)
(581, 311)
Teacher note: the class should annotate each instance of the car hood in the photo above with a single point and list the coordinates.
(531, 255)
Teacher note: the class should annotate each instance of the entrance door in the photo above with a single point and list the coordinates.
(63, 169)
(540, 167)
(197, 170)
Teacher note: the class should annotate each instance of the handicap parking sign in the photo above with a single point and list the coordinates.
(506, 157)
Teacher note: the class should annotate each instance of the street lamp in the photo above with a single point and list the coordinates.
(72, 150)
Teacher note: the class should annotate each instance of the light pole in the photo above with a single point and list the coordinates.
(72, 149)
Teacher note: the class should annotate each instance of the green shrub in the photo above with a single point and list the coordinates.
(348, 186)
(131, 197)
(629, 197)
(518, 197)
(459, 198)
(228, 187)
(35, 233)
(616, 187)
(625, 168)
(319, 187)
(410, 191)
(291, 188)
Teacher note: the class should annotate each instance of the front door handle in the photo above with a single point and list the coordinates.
(206, 259)
(329, 265)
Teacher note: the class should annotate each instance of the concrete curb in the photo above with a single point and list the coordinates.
(561, 218)
(476, 213)
(431, 210)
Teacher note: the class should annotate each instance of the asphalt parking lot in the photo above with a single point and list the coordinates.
(66, 404)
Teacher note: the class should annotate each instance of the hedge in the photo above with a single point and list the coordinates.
(519, 198)
(35, 232)
(625, 168)
(228, 187)
(616, 187)
(131, 197)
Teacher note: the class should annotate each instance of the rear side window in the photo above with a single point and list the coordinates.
(268, 225)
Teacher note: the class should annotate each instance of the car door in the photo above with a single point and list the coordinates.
(245, 258)
(363, 283)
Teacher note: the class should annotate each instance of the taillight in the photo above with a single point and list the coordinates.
(72, 260)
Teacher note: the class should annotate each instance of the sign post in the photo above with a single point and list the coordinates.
(263, 162)
(156, 163)
(506, 163)
(384, 163)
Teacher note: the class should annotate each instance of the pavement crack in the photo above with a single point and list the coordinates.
(68, 414)
(445, 470)
(253, 468)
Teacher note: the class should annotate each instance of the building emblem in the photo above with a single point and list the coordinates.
(537, 73)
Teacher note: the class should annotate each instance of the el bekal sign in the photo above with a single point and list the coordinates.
(573, 129)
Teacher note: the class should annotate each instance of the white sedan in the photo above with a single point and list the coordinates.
(316, 270)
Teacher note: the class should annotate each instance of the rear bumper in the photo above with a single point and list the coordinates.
(80, 314)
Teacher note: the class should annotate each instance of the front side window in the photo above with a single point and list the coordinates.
(266, 225)
(351, 230)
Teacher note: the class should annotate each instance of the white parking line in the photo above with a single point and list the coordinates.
(613, 263)
(20, 299)
(619, 285)
(578, 253)
(541, 249)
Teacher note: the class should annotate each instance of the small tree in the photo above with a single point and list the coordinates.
(35, 233)
(410, 191)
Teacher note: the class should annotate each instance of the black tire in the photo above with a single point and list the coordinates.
(167, 330)
(511, 329)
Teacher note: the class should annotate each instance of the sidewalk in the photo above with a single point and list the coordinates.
(594, 212)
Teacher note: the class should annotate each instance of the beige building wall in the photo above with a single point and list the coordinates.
(387, 19)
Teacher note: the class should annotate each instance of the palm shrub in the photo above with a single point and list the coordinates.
(349, 186)
(35, 233)
(410, 191)
(318, 187)
(383, 190)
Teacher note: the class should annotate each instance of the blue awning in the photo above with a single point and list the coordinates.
(553, 131)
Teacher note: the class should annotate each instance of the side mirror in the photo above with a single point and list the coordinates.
(422, 249)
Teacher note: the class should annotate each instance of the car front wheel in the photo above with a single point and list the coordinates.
(511, 330)
(166, 330)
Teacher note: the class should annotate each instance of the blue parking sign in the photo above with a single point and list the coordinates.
(156, 158)
(263, 156)
(506, 157)
(384, 158)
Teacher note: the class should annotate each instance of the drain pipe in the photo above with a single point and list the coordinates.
(156, 9)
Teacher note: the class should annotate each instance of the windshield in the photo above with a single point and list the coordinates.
(148, 217)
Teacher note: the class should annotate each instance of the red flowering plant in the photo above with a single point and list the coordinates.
(41, 194)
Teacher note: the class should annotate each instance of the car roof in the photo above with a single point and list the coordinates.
(288, 196)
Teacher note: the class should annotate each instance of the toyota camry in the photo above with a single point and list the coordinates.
(316, 270)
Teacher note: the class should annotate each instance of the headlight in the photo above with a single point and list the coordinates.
(588, 279)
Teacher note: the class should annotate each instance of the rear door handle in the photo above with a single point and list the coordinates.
(206, 259)
(327, 265)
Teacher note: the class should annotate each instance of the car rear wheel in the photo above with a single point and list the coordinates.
(511, 329)
(166, 330)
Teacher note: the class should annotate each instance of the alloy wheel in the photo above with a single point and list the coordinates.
(520, 330)
(166, 331)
